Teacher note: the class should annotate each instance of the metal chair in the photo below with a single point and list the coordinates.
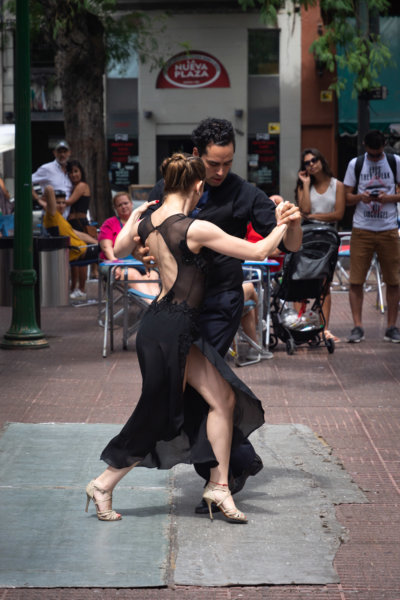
(126, 297)
(343, 276)
(255, 276)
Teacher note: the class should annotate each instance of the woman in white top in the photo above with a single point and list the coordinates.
(321, 199)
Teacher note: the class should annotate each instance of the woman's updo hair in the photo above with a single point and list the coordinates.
(180, 171)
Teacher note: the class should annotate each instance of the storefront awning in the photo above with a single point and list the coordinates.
(7, 137)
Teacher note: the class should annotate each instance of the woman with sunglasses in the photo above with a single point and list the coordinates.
(321, 199)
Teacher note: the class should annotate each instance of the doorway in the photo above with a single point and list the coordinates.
(167, 145)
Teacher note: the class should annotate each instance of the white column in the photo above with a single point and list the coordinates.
(290, 99)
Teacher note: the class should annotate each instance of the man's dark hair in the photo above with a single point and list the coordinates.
(213, 131)
(374, 139)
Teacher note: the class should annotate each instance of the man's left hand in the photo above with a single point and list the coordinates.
(142, 253)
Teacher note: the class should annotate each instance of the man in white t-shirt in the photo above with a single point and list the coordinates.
(55, 173)
(370, 186)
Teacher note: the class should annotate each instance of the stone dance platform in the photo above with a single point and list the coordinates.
(47, 540)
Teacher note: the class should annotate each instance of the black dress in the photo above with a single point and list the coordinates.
(167, 428)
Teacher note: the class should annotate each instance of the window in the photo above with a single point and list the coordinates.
(264, 52)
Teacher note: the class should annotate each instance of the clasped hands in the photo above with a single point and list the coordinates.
(287, 213)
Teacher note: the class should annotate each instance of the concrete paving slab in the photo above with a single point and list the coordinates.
(292, 535)
(47, 540)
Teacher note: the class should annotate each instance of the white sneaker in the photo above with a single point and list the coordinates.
(253, 354)
(77, 295)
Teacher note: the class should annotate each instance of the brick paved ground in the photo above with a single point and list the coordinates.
(351, 399)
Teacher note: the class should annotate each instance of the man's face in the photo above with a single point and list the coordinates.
(62, 156)
(217, 161)
(374, 154)
(61, 204)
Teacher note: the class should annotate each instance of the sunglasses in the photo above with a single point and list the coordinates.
(377, 155)
(312, 161)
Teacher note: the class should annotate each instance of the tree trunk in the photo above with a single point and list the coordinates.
(80, 62)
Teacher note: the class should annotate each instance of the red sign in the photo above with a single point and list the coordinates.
(191, 70)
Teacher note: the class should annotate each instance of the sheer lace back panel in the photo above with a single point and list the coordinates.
(182, 272)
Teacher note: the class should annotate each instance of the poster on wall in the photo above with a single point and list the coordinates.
(123, 161)
(192, 70)
(263, 162)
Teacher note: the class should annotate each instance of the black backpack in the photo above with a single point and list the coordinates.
(360, 161)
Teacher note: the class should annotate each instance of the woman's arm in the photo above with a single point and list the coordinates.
(204, 233)
(82, 189)
(5, 190)
(85, 237)
(125, 243)
(338, 212)
(303, 193)
(107, 249)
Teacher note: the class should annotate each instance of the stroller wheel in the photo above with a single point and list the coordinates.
(290, 346)
(330, 344)
(273, 341)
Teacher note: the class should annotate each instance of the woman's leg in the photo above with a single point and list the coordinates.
(326, 308)
(218, 394)
(147, 283)
(106, 482)
(82, 276)
(74, 277)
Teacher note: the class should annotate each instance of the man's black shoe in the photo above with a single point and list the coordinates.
(202, 508)
(235, 485)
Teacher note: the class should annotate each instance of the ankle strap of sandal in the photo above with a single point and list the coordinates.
(215, 483)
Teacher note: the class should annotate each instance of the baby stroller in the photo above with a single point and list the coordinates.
(306, 276)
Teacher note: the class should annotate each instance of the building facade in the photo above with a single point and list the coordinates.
(236, 68)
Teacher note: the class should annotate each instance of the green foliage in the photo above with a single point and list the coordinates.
(346, 40)
(123, 33)
(268, 8)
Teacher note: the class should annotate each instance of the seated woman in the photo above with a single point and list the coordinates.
(111, 227)
(321, 200)
(53, 203)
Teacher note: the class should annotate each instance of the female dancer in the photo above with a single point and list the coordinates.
(164, 430)
(321, 200)
(79, 203)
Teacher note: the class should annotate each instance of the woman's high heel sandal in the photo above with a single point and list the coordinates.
(232, 514)
(102, 515)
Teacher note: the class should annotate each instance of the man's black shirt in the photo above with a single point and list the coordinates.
(231, 206)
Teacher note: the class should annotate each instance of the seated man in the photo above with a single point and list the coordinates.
(53, 203)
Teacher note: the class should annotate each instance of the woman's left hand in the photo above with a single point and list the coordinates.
(140, 210)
